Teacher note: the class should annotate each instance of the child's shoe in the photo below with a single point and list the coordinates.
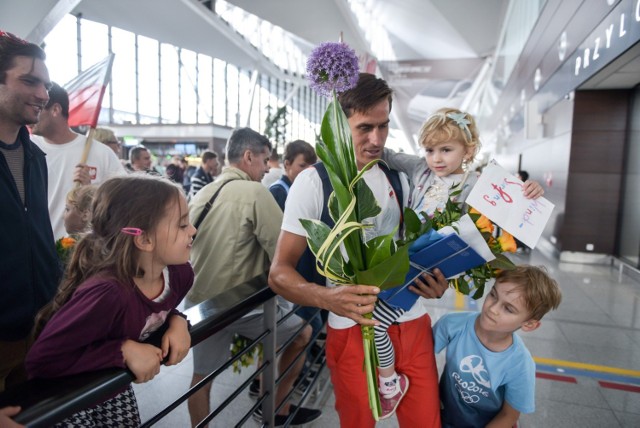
(389, 402)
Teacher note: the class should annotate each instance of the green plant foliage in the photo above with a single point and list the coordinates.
(275, 125)
(238, 344)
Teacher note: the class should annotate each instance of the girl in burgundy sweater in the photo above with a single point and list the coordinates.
(123, 282)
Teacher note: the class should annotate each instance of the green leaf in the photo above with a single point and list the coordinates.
(379, 248)
(339, 134)
(412, 222)
(414, 227)
(328, 136)
(502, 262)
(389, 273)
(368, 206)
(334, 209)
(317, 233)
(479, 292)
(463, 285)
(340, 189)
(455, 193)
(370, 364)
(475, 217)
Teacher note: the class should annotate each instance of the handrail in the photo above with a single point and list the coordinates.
(45, 402)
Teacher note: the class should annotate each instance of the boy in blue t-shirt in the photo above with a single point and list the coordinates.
(489, 375)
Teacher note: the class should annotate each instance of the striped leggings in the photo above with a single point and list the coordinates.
(387, 315)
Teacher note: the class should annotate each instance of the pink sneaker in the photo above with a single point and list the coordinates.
(390, 404)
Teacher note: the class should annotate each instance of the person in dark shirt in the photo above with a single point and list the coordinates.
(123, 283)
(205, 173)
(30, 268)
(298, 155)
(175, 170)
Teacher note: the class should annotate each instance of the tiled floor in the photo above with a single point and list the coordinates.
(588, 355)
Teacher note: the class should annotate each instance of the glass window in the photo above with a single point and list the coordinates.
(244, 79)
(172, 85)
(205, 89)
(232, 95)
(219, 93)
(95, 42)
(62, 51)
(123, 80)
(520, 18)
(169, 63)
(274, 42)
(148, 88)
(188, 97)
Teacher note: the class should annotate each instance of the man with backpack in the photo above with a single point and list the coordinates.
(367, 107)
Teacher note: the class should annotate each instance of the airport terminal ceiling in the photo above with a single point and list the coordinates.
(431, 51)
(408, 38)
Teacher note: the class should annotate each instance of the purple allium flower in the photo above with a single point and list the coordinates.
(332, 66)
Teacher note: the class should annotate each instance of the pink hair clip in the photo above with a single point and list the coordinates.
(135, 231)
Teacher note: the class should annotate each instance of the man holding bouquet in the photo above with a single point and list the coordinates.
(367, 107)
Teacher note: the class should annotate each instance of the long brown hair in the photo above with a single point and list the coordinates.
(136, 200)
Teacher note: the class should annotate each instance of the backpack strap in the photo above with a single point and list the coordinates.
(208, 205)
(307, 264)
(394, 179)
(392, 175)
(280, 182)
(327, 188)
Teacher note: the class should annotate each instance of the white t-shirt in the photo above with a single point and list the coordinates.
(272, 176)
(61, 163)
(305, 201)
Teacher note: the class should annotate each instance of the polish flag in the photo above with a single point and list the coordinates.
(86, 91)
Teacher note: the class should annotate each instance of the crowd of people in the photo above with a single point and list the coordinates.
(137, 257)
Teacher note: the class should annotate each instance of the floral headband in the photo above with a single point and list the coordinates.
(461, 120)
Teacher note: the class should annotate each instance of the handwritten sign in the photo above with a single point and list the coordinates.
(498, 195)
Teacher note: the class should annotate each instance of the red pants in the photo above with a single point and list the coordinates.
(413, 344)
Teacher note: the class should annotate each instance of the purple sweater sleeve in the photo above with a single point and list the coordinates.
(86, 334)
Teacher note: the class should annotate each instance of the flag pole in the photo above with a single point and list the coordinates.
(87, 145)
(85, 151)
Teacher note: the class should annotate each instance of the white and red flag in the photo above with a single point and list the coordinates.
(86, 91)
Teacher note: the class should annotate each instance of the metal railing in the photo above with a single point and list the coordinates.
(45, 402)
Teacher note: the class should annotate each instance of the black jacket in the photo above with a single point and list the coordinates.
(29, 266)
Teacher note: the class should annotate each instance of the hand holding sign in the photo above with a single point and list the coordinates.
(498, 195)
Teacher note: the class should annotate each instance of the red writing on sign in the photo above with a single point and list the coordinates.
(501, 193)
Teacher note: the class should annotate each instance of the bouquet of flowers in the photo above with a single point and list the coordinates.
(476, 278)
(473, 280)
(333, 68)
(238, 344)
(64, 247)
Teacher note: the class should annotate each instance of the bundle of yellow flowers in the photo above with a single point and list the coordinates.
(474, 280)
(64, 246)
